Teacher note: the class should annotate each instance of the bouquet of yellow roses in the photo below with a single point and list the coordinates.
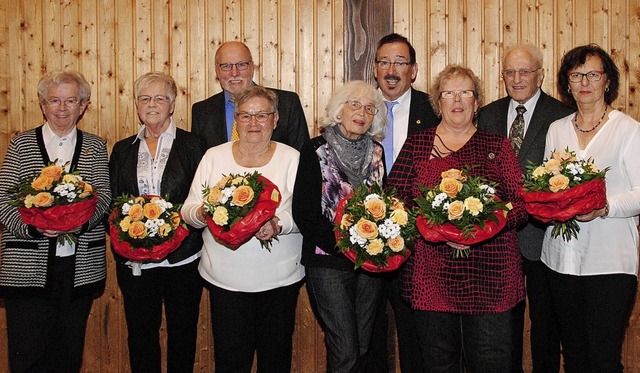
(462, 209)
(55, 199)
(373, 229)
(238, 205)
(561, 188)
(145, 228)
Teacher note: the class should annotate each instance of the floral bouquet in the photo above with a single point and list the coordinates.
(462, 209)
(561, 188)
(238, 205)
(373, 229)
(145, 228)
(55, 200)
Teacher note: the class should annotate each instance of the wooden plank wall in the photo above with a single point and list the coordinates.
(298, 45)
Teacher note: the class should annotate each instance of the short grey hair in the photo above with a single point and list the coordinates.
(156, 77)
(533, 51)
(57, 77)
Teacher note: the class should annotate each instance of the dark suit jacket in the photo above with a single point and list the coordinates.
(184, 158)
(493, 118)
(208, 120)
(421, 114)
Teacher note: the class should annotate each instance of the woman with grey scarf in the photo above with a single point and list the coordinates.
(344, 156)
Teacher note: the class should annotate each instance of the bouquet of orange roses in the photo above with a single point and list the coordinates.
(373, 229)
(145, 228)
(561, 188)
(55, 200)
(462, 209)
(238, 205)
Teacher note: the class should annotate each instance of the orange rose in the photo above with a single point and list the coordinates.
(42, 183)
(152, 211)
(553, 165)
(136, 212)
(346, 221)
(43, 199)
(456, 209)
(367, 229)
(375, 247)
(164, 230)
(140, 200)
(214, 197)
(137, 230)
(454, 174)
(223, 182)
(450, 186)
(175, 219)
(400, 217)
(125, 223)
(86, 191)
(396, 244)
(558, 183)
(396, 204)
(376, 207)
(52, 171)
(563, 156)
(242, 195)
(473, 205)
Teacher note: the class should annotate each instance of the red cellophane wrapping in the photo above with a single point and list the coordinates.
(158, 252)
(60, 217)
(393, 261)
(450, 233)
(263, 210)
(564, 205)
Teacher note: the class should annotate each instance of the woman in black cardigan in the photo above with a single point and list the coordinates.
(160, 160)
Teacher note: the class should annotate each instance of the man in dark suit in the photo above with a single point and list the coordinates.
(213, 118)
(523, 75)
(395, 69)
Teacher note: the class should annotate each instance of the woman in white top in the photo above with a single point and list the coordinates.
(594, 276)
(253, 291)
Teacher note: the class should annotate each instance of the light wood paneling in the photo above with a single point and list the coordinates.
(297, 45)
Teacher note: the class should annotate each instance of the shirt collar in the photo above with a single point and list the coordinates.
(170, 131)
(404, 100)
(530, 105)
(48, 135)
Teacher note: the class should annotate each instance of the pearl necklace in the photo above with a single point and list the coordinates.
(575, 122)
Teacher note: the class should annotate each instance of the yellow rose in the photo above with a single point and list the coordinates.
(125, 223)
(136, 212)
(238, 180)
(539, 172)
(396, 204)
(43, 199)
(563, 156)
(375, 247)
(215, 196)
(376, 208)
(220, 216)
(139, 200)
(42, 183)
(473, 205)
(367, 229)
(400, 216)
(164, 230)
(346, 221)
(175, 219)
(242, 195)
(53, 172)
(396, 244)
(591, 168)
(456, 209)
(223, 182)
(87, 189)
(137, 230)
(152, 211)
(454, 174)
(28, 201)
(553, 165)
(70, 178)
(558, 183)
(450, 186)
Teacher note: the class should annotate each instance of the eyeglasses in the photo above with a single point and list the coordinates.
(523, 73)
(261, 117)
(400, 65)
(592, 76)
(450, 95)
(69, 102)
(241, 66)
(356, 105)
(159, 99)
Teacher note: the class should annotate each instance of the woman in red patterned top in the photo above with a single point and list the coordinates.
(462, 304)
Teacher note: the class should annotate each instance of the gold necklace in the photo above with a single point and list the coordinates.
(253, 155)
(575, 122)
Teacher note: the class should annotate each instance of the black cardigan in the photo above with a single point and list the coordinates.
(185, 155)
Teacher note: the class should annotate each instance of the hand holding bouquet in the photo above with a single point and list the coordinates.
(145, 228)
(373, 229)
(561, 188)
(462, 209)
(55, 200)
(238, 206)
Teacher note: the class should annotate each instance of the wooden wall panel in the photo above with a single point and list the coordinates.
(297, 45)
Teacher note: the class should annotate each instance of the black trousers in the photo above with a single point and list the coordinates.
(46, 334)
(179, 289)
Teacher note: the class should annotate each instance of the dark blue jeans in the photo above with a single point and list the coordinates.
(448, 339)
(345, 303)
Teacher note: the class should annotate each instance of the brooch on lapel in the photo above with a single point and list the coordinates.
(418, 121)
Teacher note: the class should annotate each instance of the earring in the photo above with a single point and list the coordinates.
(569, 90)
(606, 89)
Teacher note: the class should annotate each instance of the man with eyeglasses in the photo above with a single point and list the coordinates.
(409, 111)
(524, 116)
(213, 118)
